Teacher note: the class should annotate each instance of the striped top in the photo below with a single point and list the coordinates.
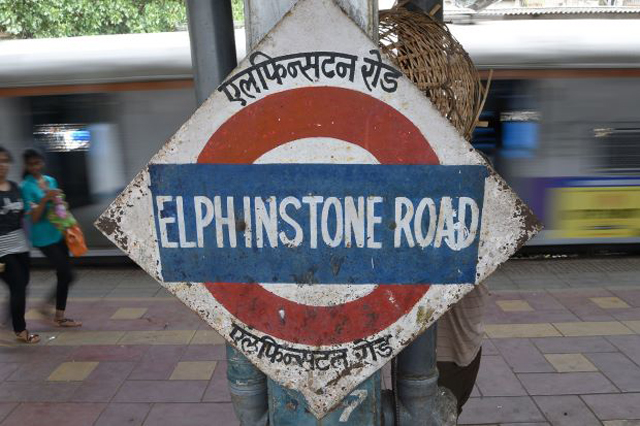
(12, 238)
(461, 328)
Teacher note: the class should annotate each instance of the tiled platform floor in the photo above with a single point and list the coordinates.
(562, 348)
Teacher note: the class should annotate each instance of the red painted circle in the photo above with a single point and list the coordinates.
(295, 114)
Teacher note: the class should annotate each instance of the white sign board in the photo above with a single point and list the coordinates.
(317, 210)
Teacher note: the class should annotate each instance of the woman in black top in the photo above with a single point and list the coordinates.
(14, 250)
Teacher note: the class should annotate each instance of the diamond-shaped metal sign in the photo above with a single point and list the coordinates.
(317, 210)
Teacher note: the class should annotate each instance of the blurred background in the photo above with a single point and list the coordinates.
(100, 95)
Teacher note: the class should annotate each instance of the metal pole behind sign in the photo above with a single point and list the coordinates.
(286, 406)
(260, 16)
(415, 373)
(213, 50)
(213, 57)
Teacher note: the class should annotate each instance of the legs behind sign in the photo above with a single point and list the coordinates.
(459, 380)
(15, 273)
(460, 333)
(58, 255)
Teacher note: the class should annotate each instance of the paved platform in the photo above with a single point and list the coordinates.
(562, 348)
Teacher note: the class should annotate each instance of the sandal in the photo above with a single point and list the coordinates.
(66, 322)
(26, 337)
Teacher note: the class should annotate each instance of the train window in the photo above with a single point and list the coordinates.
(618, 149)
(64, 128)
(84, 150)
(519, 133)
(510, 122)
(63, 137)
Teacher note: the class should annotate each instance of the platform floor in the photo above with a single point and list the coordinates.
(562, 348)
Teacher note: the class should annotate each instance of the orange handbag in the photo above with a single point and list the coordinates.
(75, 241)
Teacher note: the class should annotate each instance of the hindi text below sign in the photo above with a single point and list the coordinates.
(317, 210)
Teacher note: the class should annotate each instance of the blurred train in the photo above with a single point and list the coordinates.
(562, 116)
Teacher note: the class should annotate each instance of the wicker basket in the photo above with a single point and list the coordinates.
(435, 61)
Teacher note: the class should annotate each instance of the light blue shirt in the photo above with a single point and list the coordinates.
(43, 232)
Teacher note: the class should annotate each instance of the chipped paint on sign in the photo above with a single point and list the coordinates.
(315, 90)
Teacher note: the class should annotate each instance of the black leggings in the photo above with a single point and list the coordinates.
(58, 255)
(16, 275)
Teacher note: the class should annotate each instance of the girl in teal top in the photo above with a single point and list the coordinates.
(38, 191)
(43, 233)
